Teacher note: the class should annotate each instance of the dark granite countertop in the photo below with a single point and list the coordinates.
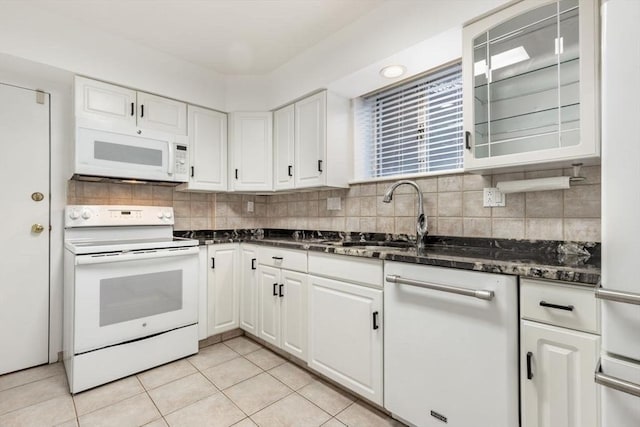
(577, 262)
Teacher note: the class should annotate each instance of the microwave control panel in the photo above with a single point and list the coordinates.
(181, 160)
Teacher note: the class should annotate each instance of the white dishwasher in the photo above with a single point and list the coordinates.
(451, 346)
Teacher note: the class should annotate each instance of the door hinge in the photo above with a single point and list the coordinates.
(40, 96)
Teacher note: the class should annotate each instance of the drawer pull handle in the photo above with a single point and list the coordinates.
(559, 307)
(529, 371)
(375, 320)
(277, 258)
(275, 289)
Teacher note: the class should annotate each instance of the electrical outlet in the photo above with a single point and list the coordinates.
(249, 206)
(493, 198)
(333, 203)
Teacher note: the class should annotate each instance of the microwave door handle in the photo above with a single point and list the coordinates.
(171, 159)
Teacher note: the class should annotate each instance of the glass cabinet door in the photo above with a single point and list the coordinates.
(530, 85)
(526, 82)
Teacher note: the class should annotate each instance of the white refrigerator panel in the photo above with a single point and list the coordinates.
(620, 173)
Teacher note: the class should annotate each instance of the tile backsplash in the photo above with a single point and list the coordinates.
(453, 204)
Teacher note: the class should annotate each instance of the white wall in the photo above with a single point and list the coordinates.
(41, 36)
(416, 33)
(59, 84)
(42, 50)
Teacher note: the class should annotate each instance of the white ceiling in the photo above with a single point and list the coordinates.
(226, 36)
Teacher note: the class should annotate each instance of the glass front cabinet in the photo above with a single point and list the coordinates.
(530, 85)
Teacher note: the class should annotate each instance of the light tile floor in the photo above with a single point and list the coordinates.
(234, 383)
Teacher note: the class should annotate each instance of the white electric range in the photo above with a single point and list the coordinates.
(130, 292)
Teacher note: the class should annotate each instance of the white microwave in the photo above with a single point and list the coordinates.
(155, 156)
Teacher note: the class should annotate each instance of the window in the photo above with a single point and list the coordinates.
(413, 128)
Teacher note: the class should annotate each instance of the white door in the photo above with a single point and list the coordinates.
(208, 146)
(310, 139)
(345, 335)
(248, 289)
(269, 304)
(24, 260)
(283, 148)
(222, 290)
(557, 367)
(163, 114)
(251, 139)
(104, 105)
(293, 313)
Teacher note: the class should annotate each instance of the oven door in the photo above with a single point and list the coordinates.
(117, 155)
(121, 297)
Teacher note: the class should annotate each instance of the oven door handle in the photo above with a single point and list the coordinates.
(135, 256)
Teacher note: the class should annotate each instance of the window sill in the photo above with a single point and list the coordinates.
(407, 176)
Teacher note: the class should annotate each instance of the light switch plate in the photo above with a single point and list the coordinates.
(333, 203)
(249, 206)
(493, 198)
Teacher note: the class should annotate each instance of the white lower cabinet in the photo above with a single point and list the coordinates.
(249, 288)
(557, 385)
(345, 335)
(283, 309)
(202, 293)
(222, 288)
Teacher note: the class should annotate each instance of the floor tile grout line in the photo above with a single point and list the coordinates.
(321, 408)
(34, 381)
(154, 404)
(38, 403)
(239, 382)
(111, 404)
(34, 404)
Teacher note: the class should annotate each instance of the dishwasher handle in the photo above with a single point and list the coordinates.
(480, 294)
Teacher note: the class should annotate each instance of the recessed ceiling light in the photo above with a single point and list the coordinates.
(393, 71)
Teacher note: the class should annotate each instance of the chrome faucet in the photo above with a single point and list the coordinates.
(421, 220)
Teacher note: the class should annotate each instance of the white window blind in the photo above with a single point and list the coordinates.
(415, 127)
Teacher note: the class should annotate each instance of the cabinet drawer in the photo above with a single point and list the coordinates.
(350, 269)
(558, 304)
(289, 259)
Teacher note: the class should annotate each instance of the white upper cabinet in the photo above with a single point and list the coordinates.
(311, 140)
(208, 148)
(530, 85)
(251, 151)
(158, 113)
(114, 108)
(312, 147)
(283, 148)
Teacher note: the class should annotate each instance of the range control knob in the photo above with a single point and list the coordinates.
(168, 215)
(74, 214)
(160, 214)
(86, 214)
